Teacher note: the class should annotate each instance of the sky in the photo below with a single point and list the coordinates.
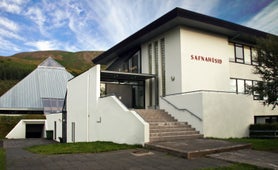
(87, 25)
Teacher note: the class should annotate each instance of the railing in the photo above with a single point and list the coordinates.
(198, 91)
(263, 133)
(181, 109)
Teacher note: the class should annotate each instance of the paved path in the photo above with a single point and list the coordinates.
(194, 148)
(248, 156)
(18, 158)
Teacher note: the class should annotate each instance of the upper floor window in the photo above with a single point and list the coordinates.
(254, 56)
(131, 65)
(244, 54)
(239, 53)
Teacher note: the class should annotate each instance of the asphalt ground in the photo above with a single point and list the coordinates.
(18, 158)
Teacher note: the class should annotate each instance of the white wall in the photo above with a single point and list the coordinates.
(223, 115)
(100, 119)
(19, 131)
(243, 71)
(185, 108)
(118, 124)
(203, 75)
(50, 119)
(82, 97)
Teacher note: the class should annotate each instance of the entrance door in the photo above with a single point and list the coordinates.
(34, 130)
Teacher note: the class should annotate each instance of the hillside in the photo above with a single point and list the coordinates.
(16, 67)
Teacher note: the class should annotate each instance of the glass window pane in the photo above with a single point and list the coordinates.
(248, 86)
(233, 85)
(254, 56)
(240, 86)
(239, 53)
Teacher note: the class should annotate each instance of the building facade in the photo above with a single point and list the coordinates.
(195, 67)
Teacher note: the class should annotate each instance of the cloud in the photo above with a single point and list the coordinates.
(12, 6)
(43, 45)
(8, 24)
(9, 35)
(266, 20)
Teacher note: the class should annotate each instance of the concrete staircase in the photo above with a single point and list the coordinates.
(163, 127)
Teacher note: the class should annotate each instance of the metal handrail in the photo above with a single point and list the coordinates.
(196, 91)
(184, 109)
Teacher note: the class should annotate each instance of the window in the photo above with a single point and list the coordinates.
(233, 86)
(244, 54)
(256, 95)
(132, 64)
(254, 57)
(248, 86)
(239, 53)
(244, 86)
(240, 86)
(52, 105)
(156, 57)
(162, 48)
(150, 58)
(73, 131)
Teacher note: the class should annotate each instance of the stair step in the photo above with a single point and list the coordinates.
(178, 133)
(173, 129)
(164, 127)
(177, 137)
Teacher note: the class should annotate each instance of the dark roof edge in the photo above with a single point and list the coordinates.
(179, 12)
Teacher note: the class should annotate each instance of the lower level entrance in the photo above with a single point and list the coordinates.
(34, 130)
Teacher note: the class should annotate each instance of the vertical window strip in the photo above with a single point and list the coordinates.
(156, 71)
(156, 57)
(162, 48)
(150, 71)
(73, 131)
(150, 58)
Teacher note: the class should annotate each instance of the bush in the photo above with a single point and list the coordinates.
(264, 130)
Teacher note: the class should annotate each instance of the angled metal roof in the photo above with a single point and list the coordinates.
(48, 80)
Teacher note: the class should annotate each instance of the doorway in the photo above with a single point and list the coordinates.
(34, 130)
(132, 95)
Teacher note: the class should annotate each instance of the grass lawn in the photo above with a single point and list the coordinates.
(270, 145)
(236, 166)
(81, 147)
(2, 159)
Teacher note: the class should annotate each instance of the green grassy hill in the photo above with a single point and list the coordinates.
(14, 68)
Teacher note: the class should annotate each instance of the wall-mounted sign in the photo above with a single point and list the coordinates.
(206, 59)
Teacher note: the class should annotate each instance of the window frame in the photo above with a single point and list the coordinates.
(238, 59)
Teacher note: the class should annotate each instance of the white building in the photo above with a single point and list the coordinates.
(195, 67)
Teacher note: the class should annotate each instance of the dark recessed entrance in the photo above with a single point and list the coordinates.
(128, 87)
(34, 130)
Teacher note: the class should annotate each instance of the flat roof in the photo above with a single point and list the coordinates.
(122, 76)
(181, 17)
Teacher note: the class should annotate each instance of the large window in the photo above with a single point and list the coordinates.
(243, 86)
(244, 54)
(132, 64)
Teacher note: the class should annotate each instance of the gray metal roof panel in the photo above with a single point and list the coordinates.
(43, 82)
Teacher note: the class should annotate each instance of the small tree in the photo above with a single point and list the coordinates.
(267, 68)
